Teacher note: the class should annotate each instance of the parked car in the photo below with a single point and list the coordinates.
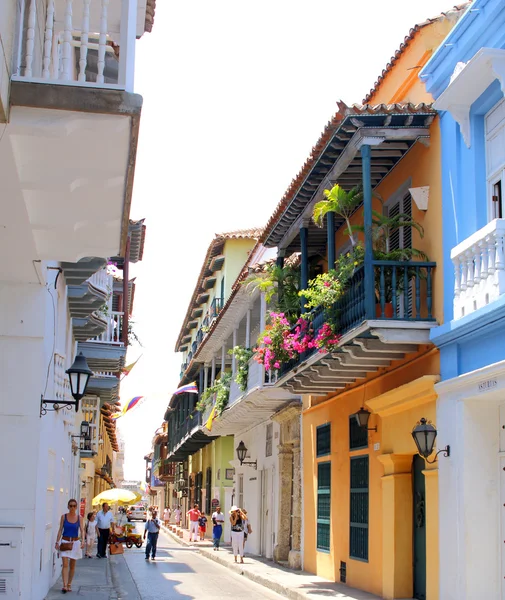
(137, 512)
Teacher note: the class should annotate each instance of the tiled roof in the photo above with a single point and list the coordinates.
(452, 14)
(215, 249)
(350, 117)
(150, 12)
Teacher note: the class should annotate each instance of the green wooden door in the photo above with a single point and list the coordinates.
(419, 518)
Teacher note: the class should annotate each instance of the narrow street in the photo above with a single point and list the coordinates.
(181, 573)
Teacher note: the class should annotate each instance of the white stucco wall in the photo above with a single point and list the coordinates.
(35, 452)
(262, 512)
(471, 419)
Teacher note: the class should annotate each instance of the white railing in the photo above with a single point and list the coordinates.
(112, 335)
(479, 266)
(78, 42)
(102, 281)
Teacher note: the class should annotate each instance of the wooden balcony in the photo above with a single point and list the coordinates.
(186, 437)
(379, 321)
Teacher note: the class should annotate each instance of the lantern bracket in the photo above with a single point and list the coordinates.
(446, 451)
(57, 405)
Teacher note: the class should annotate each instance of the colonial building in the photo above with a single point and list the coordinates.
(370, 502)
(466, 76)
(67, 159)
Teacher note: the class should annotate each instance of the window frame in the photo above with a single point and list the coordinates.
(498, 175)
(353, 524)
(320, 520)
(320, 454)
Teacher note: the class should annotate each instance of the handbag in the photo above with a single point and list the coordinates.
(116, 549)
(66, 546)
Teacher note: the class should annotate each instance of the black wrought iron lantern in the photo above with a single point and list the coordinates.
(241, 455)
(425, 435)
(84, 429)
(362, 417)
(79, 374)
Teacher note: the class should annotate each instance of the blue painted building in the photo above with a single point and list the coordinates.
(466, 77)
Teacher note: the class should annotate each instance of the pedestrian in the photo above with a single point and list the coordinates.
(91, 533)
(202, 526)
(152, 530)
(68, 545)
(177, 516)
(217, 530)
(104, 520)
(166, 516)
(247, 526)
(237, 519)
(193, 514)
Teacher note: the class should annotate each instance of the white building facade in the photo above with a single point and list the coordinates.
(68, 110)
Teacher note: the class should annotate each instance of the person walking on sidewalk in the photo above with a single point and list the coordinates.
(247, 526)
(152, 530)
(202, 526)
(91, 533)
(177, 516)
(217, 530)
(104, 520)
(69, 543)
(166, 516)
(237, 519)
(194, 514)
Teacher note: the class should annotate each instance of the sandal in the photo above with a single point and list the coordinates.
(69, 587)
(63, 590)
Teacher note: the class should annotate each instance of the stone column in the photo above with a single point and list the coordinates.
(281, 550)
(295, 556)
(397, 577)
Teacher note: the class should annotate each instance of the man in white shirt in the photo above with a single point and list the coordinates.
(104, 520)
(153, 526)
(217, 530)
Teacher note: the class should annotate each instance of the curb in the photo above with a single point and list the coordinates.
(279, 588)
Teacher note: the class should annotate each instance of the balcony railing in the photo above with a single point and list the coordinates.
(182, 430)
(215, 307)
(113, 333)
(102, 281)
(78, 42)
(403, 292)
(479, 268)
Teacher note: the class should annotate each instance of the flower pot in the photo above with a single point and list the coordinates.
(388, 310)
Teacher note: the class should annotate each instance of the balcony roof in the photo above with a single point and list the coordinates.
(192, 443)
(214, 250)
(76, 273)
(102, 356)
(391, 130)
(107, 387)
(85, 328)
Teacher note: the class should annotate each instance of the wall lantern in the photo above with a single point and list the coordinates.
(362, 417)
(78, 374)
(425, 434)
(242, 453)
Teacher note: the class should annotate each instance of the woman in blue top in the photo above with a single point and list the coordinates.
(71, 531)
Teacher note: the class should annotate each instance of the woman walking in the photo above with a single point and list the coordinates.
(237, 519)
(70, 548)
(91, 533)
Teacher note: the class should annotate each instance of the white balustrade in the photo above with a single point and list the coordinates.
(72, 29)
(112, 335)
(479, 268)
(102, 281)
(61, 382)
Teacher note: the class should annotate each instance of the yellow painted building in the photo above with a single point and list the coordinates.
(370, 501)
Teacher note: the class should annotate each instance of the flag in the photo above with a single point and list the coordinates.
(127, 370)
(211, 418)
(135, 401)
(189, 388)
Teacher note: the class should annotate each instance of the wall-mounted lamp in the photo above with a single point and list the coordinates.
(242, 453)
(425, 434)
(78, 374)
(362, 417)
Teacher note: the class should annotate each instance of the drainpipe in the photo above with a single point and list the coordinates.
(126, 303)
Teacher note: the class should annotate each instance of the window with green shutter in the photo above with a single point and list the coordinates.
(323, 506)
(358, 545)
(323, 440)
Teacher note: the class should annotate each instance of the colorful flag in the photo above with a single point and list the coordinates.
(135, 401)
(189, 388)
(211, 418)
(127, 370)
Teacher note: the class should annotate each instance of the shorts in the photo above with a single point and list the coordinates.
(245, 536)
(202, 529)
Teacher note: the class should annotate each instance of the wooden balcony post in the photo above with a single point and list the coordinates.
(366, 158)
(304, 267)
(223, 358)
(234, 360)
(330, 231)
(206, 377)
(213, 371)
(248, 328)
(279, 261)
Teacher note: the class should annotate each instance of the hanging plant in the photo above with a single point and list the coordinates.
(242, 357)
(221, 389)
(326, 339)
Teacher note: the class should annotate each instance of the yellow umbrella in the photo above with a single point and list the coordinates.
(116, 496)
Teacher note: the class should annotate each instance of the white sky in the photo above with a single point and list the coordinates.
(235, 96)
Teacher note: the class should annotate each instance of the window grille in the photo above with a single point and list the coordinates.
(269, 439)
(323, 440)
(358, 436)
(323, 505)
(208, 490)
(358, 540)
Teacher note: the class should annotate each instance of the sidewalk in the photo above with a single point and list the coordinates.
(99, 579)
(297, 585)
